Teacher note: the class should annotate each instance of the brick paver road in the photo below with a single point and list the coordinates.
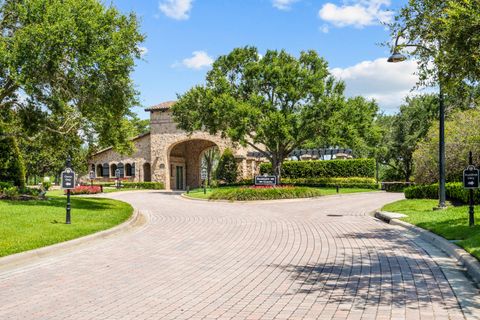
(310, 259)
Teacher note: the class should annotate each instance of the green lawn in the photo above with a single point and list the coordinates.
(198, 193)
(26, 225)
(451, 223)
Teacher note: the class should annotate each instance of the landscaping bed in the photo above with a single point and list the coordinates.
(26, 225)
(248, 193)
(451, 223)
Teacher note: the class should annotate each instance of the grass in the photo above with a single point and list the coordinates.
(451, 223)
(231, 193)
(26, 225)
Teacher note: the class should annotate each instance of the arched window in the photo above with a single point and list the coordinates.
(128, 170)
(99, 171)
(113, 168)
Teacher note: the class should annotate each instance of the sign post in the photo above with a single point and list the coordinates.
(203, 176)
(91, 176)
(68, 183)
(117, 177)
(471, 182)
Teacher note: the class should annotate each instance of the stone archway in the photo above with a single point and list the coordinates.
(183, 166)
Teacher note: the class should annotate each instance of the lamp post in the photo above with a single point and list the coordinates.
(398, 57)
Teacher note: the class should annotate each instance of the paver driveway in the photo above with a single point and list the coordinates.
(310, 259)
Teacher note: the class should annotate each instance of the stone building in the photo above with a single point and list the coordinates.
(169, 155)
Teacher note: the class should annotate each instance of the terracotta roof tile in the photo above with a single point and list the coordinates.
(162, 106)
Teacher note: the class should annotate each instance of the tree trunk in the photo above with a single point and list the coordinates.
(277, 168)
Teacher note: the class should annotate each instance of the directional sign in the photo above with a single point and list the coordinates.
(68, 179)
(471, 177)
(265, 180)
(203, 174)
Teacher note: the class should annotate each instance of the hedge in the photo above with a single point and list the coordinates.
(454, 191)
(353, 182)
(396, 186)
(244, 194)
(144, 185)
(324, 168)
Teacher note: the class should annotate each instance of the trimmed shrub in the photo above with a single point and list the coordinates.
(144, 185)
(12, 168)
(454, 191)
(324, 168)
(353, 182)
(395, 186)
(5, 185)
(249, 193)
(227, 167)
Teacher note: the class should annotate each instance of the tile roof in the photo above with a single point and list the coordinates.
(162, 106)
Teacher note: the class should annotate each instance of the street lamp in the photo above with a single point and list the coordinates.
(398, 57)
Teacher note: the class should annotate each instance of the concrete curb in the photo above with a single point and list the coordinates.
(14, 260)
(464, 258)
(183, 195)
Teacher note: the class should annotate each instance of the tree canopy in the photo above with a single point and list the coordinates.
(444, 38)
(273, 103)
(65, 67)
(462, 134)
(403, 131)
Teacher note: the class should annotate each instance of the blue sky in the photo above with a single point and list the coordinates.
(185, 36)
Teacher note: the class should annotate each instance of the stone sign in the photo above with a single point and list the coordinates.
(68, 179)
(470, 177)
(265, 180)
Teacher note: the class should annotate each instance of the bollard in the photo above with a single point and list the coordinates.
(338, 189)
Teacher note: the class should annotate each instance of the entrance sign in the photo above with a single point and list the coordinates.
(117, 173)
(265, 180)
(68, 179)
(471, 177)
(92, 175)
(203, 174)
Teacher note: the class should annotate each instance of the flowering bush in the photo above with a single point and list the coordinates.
(268, 187)
(85, 190)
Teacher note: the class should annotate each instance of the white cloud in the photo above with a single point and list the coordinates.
(199, 60)
(176, 9)
(324, 29)
(283, 4)
(143, 50)
(359, 13)
(387, 83)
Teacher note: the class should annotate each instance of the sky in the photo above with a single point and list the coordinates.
(184, 37)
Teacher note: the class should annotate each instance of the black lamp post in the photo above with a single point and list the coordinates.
(398, 57)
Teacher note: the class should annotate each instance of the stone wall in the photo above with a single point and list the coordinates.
(140, 156)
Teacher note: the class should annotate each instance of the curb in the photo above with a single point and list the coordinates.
(464, 258)
(14, 260)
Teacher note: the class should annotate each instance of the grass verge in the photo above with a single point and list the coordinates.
(26, 225)
(451, 223)
(246, 194)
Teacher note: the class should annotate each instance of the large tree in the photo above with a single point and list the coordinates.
(403, 131)
(443, 36)
(65, 67)
(273, 103)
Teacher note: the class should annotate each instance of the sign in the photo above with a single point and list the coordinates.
(471, 177)
(68, 179)
(92, 175)
(265, 180)
(117, 173)
(203, 174)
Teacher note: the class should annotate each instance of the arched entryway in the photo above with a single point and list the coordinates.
(184, 162)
